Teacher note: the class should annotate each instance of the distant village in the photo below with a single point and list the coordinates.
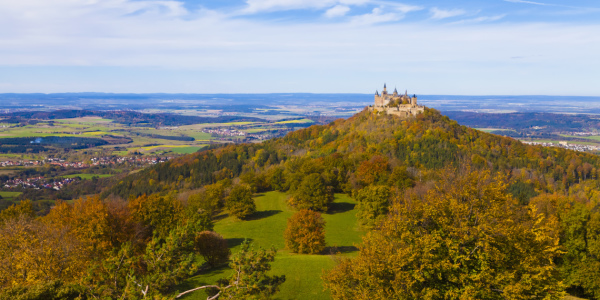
(37, 183)
(57, 184)
(223, 133)
(96, 161)
(566, 145)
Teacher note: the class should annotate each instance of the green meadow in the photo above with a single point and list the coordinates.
(265, 229)
(302, 121)
(9, 195)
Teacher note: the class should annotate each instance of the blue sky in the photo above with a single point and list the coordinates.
(503, 47)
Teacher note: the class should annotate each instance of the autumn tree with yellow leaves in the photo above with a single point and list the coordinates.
(465, 239)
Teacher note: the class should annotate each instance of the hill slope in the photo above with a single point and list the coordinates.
(428, 142)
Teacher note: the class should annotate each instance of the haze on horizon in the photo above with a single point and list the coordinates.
(496, 47)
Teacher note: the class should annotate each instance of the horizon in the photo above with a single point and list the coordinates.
(296, 93)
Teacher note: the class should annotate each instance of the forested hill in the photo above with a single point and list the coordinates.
(361, 150)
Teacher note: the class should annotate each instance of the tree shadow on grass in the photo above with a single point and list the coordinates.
(263, 214)
(340, 207)
(234, 242)
(339, 249)
(220, 216)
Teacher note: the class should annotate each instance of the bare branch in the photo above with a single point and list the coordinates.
(203, 287)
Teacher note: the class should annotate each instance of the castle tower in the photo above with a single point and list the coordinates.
(401, 105)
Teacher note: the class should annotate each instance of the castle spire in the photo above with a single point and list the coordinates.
(376, 93)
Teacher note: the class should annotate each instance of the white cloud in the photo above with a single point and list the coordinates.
(254, 6)
(377, 15)
(480, 19)
(529, 2)
(337, 11)
(399, 7)
(438, 14)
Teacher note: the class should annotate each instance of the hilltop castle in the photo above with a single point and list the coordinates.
(395, 104)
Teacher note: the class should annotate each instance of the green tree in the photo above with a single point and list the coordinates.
(305, 232)
(373, 204)
(240, 203)
(465, 239)
(312, 194)
(580, 238)
(165, 263)
(212, 246)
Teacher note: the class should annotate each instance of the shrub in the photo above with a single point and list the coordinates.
(305, 232)
(212, 246)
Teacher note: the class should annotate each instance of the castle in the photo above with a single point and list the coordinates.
(395, 104)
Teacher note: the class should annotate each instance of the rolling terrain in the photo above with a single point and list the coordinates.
(367, 152)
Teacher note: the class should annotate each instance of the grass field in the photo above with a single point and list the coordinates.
(9, 195)
(265, 229)
(594, 139)
(493, 129)
(88, 176)
(187, 150)
(302, 121)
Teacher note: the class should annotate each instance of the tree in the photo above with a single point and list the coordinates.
(305, 232)
(465, 239)
(212, 246)
(209, 200)
(580, 239)
(52, 290)
(159, 212)
(373, 204)
(32, 253)
(240, 203)
(23, 209)
(166, 262)
(312, 194)
(374, 171)
(249, 279)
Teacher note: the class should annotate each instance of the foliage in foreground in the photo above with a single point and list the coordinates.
(465, 239)
(579, 231)
(249, 279)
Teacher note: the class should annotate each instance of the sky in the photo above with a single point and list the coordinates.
(463, 47)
